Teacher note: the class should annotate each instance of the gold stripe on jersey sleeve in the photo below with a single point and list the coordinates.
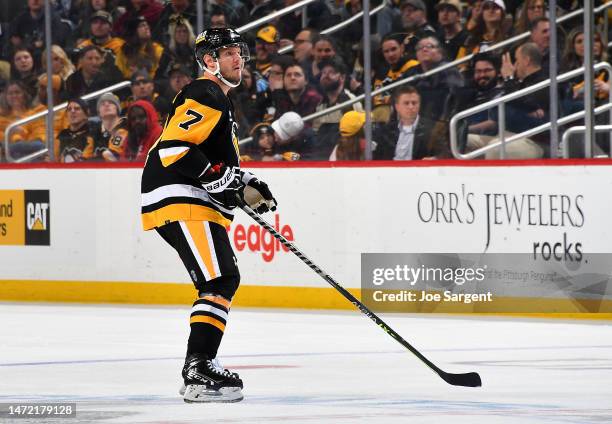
(208, 320)
(182, 212)
(172, 154)
(191, 122)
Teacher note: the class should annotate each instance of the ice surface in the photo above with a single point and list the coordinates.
(122, 365)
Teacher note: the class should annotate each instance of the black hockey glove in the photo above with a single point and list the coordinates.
(223, 185)
(256, 194)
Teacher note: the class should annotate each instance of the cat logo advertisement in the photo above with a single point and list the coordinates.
(25, 217)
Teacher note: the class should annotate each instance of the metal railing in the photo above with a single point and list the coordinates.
(44, 113)
(441, 68)
(565, 141)
(346, 103)
(340, 25)
(500, 101)
(274, 15)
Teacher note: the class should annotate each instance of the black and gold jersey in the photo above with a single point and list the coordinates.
(386, 79)
(200, 132)
(76, 145)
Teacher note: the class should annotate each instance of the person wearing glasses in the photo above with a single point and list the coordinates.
(438, 88)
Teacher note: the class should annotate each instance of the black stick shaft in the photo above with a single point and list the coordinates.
(469, 379)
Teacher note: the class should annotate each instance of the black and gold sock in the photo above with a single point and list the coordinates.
(208, 320)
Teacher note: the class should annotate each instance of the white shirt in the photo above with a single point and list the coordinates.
(405, 141)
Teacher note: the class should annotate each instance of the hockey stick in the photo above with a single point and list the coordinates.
(470, 379)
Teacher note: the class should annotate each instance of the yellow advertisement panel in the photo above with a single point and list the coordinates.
(12, 230)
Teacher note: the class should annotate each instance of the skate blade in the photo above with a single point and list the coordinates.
(201, 394)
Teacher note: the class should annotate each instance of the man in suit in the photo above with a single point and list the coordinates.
(407, 136)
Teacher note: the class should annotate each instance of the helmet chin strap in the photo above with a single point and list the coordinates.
(217, 73)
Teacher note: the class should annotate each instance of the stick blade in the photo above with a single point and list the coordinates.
(470, 379)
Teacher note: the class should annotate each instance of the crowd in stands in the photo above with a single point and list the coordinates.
(294, 71)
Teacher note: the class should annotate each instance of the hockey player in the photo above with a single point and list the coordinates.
(190, 187)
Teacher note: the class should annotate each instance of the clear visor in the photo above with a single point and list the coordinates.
(244, 50)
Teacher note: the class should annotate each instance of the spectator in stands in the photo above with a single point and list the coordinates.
(218, 18)
(91, 7)
(318, 17)
(262, 107)
(16, 102)
(266, 48)
(333, 79)
(303, 46)
(263, 144)
(397, 64)
(357, 75)
(179, 48)
(24, 70)
(389, 19)
(451, 31)
(486, 86)
(236, 11)
(539, 34)
(143, 131)
(251, 103)
(178, 77)
(573, 58)
(277, 72)
(101, 25)
(526, 71)
(408, 135)
(112, 132)
(324, 48)
(349, 37)
(474, 12)
(260, 8)
(351, 143)
(528, 111)
(490, 28)
(69, 10)
(58, 87)
(150, 10)
(291, 137)
(76, 143)
(297, 96)
(529, 11)
(28, 28)
(143, 88)
(414, 23)
(271, 141)
(173, 12)
(437, 89)
(89, 78)
(60, 63)
(140, 51)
